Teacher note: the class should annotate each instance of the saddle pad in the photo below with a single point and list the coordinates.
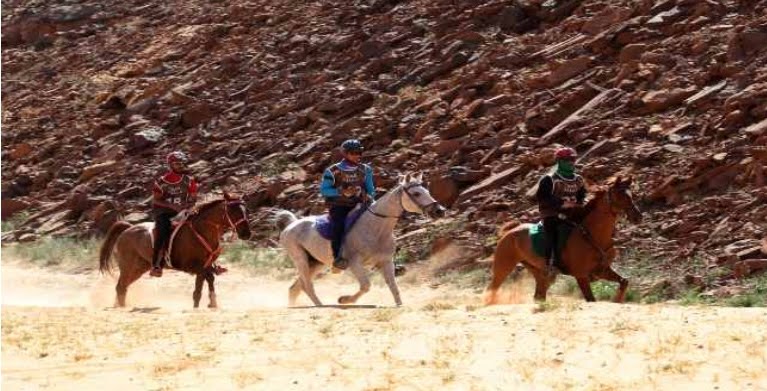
(539, 240)
(324, 226)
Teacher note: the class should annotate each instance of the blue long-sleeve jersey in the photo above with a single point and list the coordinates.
(329, 188)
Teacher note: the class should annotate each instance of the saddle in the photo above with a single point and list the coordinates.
(176, 225)
(324, 225)
(538, 238)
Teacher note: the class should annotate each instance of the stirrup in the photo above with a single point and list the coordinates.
(340, 264)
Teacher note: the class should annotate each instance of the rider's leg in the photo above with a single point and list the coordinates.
(551, 232)
(338, 215)
(163, 225)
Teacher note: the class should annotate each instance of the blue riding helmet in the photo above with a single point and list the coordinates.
(352, 145)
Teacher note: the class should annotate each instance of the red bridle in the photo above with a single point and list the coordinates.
(214, 253)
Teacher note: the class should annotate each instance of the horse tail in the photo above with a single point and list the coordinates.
(105, 254)
(507, 227)
(505, 259)
(284, 218)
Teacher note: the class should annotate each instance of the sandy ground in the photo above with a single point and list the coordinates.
(59, 332)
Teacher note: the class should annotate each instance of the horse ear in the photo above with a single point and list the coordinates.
(419, 179)
(407, 178)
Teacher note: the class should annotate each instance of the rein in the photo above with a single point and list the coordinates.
(589, 238)
(213, 253)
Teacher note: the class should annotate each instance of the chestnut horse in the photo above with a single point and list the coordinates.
(589, 250)
(195, 246)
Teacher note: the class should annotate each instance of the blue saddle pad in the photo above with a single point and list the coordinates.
(324, 226)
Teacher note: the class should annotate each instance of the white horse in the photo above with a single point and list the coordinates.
(370, 242)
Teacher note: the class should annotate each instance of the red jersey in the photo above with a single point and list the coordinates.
(175, 188)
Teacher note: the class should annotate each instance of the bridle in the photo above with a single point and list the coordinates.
(406, 191)
(244, 218)
(213, 253)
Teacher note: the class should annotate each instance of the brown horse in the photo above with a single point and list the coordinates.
(588, 253)
(195, 246)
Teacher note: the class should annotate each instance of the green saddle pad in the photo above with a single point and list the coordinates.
(539, 240)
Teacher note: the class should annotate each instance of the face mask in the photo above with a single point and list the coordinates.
(565, 168)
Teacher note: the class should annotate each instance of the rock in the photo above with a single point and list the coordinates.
(492, 182)
(568, 69)
(632, 52)
(746, 43)
(20, 151)
(455, 129)
(28, 237)
(130, 192)
(11, 206)
(355, 105)
(96, 169)
(656, 101)
(372, 48)
(758, 128)
(444, 67)
(197, 114)
(607, 17)
(465, 175)
(447, 147)
(474, 109)
(665, 17)
(147, 137)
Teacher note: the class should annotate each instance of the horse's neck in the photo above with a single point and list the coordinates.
(600, 222)
(202, 223)
(389, 206)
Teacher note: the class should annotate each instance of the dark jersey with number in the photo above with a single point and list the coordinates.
(554, 190)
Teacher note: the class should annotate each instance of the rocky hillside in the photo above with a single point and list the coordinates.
(476, 93)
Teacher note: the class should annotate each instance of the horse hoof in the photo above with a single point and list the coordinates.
(345, 300)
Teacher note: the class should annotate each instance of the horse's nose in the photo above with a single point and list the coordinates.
(439, 211)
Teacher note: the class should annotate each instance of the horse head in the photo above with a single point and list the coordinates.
(417, 199)
(620, 198)
(236, 216)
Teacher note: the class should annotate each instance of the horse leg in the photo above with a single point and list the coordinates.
(297, 287)
(585, 284)
(128, 276)
(541, 284)
(197, 294)
(611, 275)
(501, 269)
(359, 271)
(211, 278)
(308, 285)
(388, 272)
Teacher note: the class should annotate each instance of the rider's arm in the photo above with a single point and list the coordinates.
(580, 196)
(545, 193)
(327, 186)
(370, 187)
(193, 188)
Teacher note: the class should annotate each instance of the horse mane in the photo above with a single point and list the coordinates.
(578, 215)
(207, 205)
